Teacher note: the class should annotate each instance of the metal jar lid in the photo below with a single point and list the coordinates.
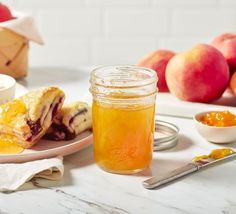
(166, 135)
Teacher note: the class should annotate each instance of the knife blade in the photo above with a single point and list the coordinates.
(189, 168)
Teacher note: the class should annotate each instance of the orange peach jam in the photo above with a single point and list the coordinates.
(215, 154)
(220, 153)
(123, 117)
(9, 113)
(123, 136)
(219, 119)
(8, 145)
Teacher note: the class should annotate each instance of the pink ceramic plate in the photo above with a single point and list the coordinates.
(48, 149)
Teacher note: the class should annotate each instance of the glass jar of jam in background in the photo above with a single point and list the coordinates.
(123, 117)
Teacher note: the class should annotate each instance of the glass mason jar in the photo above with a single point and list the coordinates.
(123, 117)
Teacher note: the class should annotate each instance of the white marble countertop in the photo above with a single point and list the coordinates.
(85, 188)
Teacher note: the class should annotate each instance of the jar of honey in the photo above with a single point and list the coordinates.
(123, 117)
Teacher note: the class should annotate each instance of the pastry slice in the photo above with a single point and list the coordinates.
(28, 117)
(71, 120)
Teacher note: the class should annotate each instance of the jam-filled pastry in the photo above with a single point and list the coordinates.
(27, 118)
(71, 120)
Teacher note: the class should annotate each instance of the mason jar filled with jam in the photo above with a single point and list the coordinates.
(123, 117)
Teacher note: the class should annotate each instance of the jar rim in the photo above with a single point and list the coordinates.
(122, 76)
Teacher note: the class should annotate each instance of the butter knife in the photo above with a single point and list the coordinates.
(189, 168)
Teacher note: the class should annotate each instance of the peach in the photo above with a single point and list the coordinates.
(157, 61)
(200, 74)
(5, 13)
(226, 44)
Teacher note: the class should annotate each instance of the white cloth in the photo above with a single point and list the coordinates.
(23, 25)
(12, 176)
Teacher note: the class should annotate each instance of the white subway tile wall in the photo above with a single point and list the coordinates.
(102, 32)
